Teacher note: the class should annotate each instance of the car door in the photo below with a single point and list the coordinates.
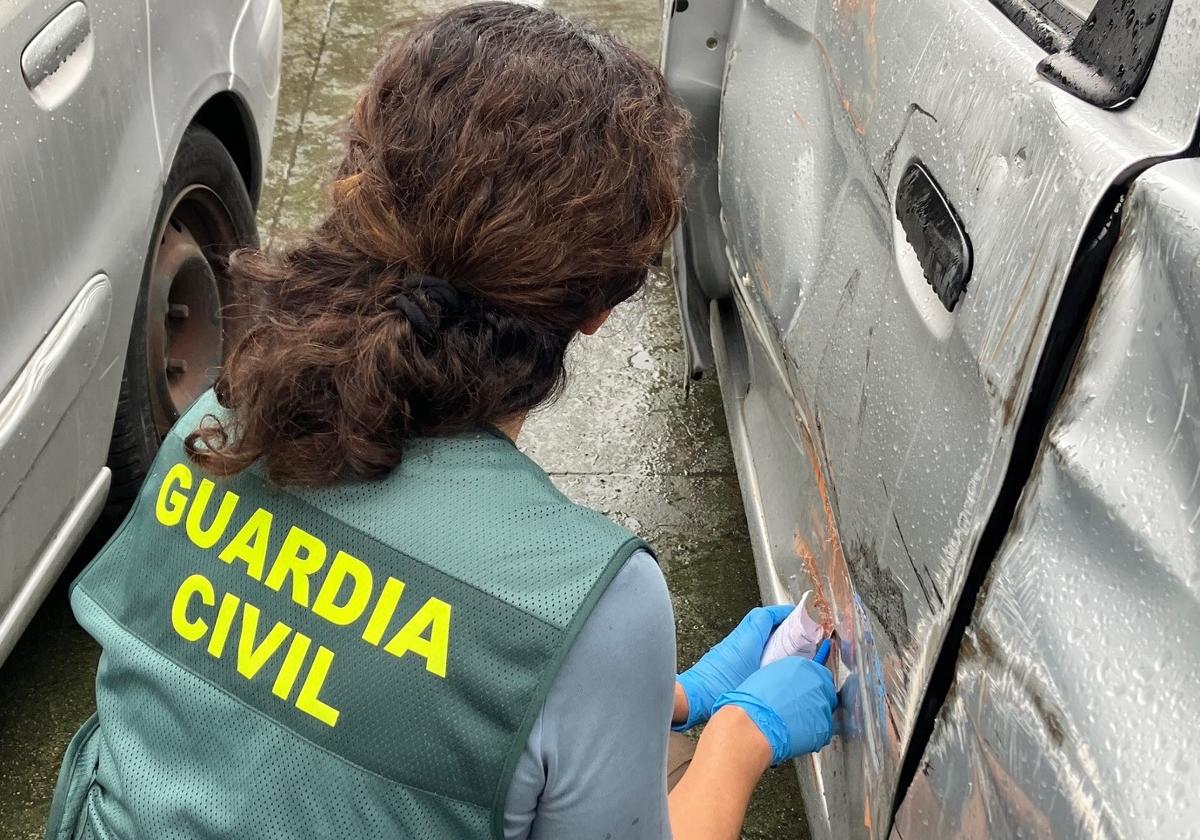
(910, 192)
(77, 141)
(1075, 707)
(67, 102)
(34, 296)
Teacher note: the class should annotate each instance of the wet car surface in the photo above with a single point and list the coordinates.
(624, 438)
(941, 274)
(131, 146)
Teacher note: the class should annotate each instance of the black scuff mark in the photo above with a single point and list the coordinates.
(883, 190)
(826, 466)
(904, 545)
(937, 593)
(915, 108)
(911, 562)
(849, 292)
(862, 391)
(889, 156)
(880, 591)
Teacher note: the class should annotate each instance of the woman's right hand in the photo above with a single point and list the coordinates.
(778, 712)
(791, 702)
(723, 668)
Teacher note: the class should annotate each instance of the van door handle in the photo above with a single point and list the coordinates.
(57, 41)
(934, 231)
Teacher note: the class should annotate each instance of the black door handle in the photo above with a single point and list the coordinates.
(934, 231)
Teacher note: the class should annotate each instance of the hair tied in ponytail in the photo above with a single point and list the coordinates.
(448, 300)
(535, 163)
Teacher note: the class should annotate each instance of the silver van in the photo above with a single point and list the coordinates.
(132, 142)
(945, 256)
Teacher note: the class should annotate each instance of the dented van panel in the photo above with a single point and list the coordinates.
(874, 423)
(1076, 705)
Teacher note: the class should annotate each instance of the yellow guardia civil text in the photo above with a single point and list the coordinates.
(341, 589)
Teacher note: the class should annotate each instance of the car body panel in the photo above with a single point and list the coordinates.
(83, 177)
(1076, 705)
(40, 424)
(902, 414)
(65, 218)
(239, 53)
(106, 120)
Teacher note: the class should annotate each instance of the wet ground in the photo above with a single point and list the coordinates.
(623, 439)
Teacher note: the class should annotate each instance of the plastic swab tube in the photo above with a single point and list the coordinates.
(799, 635)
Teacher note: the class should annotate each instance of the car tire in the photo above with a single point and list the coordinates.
(182, 325)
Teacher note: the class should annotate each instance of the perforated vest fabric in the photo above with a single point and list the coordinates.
(362, 661)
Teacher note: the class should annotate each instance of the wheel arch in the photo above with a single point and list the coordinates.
(227, 116)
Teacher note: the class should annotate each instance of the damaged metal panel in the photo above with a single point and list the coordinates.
(877, 426)
(1076, 705)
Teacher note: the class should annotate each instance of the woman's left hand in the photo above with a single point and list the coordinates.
(727, 664)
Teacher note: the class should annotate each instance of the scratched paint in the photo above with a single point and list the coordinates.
(1076, 706)
(808, 561)
(624, 438)
(879, 427)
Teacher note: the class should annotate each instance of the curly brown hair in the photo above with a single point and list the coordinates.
(509, 176)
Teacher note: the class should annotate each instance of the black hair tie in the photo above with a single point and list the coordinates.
(439, 292)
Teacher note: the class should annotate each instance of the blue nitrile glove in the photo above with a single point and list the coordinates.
(791, 701)
(730, 661)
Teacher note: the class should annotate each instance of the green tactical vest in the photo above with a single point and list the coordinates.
(358, 661)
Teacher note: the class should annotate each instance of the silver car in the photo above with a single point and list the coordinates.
(945, 256)
(132, 137)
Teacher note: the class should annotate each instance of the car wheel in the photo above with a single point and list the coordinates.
(182, 326)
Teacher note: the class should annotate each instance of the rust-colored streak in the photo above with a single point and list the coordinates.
(1012, 795)
(808, 562)
(1009, 405)
(857, 124)
(760, 275)
(855, 21)
(1018, 307)
(839, 573)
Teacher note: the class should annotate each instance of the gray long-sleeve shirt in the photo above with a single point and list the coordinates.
(595, 762)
